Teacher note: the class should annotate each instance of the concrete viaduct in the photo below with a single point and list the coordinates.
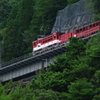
(30, 66)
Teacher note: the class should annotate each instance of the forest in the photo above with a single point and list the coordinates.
(74, 76)
(22, 20)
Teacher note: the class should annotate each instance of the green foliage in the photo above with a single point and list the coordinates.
(50, 80)
(45, 14)
(4, 12)
(63, 96)
(2, 91)
(97, 16)
(96, 5)
(96, 97)
(81, 89)
(96, 81)
(58, 65)
(18, 21)
(25, 20)
(93, 51)
(74, 76)
(72, 1)
(42, 94)
(74, 49)
(97, 9)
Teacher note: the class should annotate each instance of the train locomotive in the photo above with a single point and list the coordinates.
(56, 39)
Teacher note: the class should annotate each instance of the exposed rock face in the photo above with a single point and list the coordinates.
(74, 16)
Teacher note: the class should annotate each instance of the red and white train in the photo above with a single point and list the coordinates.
(43, 44)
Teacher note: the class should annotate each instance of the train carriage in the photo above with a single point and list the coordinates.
(48, 41)
(54, 40)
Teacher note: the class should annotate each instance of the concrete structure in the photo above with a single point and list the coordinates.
(30, 66)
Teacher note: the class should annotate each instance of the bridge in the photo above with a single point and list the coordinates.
(19, 69)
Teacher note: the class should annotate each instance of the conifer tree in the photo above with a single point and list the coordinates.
(19, 21)
(74, 49)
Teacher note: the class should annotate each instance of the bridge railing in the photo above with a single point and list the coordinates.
(17, 59)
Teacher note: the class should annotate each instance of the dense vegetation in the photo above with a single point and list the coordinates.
(75, 76)
(22, 20)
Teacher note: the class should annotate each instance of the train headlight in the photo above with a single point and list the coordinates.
(74, 35)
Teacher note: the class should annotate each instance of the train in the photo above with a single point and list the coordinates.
(56, 39)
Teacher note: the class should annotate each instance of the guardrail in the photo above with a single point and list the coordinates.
(28, 56)
(17, 59)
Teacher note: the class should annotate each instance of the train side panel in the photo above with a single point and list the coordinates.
(87, 30)
(56, 38)
(65, 37)
(46, 42)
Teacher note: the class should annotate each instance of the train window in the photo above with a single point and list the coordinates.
(40, 41)
(77, 31)
(45, 40)
(96, 24)
(34, 44)
(54, 36)
(87, 28)
(90, 26)
(49, 39)
(84, 28)
(99, 23)
(81, 30)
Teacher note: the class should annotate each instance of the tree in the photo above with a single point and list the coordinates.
(96, 5)
(81, 89)
(96, 82)
(2, 92)
(18, 21)
(93, 51)
(74, 50)
(45, 14)
(50, 80)
(42, 94)
(5, 8)
(97, 9)
(72, 1)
